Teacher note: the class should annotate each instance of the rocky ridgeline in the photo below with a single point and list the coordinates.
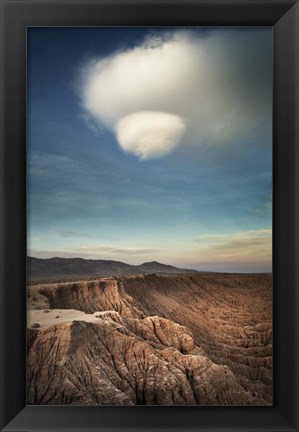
(166, 340)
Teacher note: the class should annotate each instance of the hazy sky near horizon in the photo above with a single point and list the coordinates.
(151, 144)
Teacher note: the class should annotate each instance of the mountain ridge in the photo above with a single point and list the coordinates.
(57, 268)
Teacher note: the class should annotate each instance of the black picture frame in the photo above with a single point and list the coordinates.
(16, 15)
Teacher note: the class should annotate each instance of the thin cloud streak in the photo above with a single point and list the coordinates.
(119, 251)
(70, 234)
(252, 246)
(99, 252)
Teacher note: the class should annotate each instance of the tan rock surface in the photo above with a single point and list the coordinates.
(167, 340)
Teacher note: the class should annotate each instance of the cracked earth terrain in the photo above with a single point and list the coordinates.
(198, 339)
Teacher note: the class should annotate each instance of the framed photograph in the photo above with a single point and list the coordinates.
(149, 218)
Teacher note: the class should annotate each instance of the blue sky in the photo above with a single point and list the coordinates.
(151, 144)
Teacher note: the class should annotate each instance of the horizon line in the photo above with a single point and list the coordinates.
(158, 262)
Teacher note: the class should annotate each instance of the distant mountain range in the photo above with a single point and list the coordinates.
(54, 269)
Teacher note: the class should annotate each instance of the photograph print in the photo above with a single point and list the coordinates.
(149, 209)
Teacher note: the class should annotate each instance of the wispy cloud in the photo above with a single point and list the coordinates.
(69, 233)
(262, 209)
(92, 125)
(241, 235)
(47, 165)
(115, 251)
(99, 252)
(251, 245)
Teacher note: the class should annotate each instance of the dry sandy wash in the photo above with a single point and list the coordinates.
(200, 339)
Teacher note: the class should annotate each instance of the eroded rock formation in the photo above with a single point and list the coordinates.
(167, 340)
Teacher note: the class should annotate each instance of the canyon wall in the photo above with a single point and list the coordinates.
(198, 339)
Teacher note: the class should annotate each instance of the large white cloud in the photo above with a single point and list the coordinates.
(218, 85)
